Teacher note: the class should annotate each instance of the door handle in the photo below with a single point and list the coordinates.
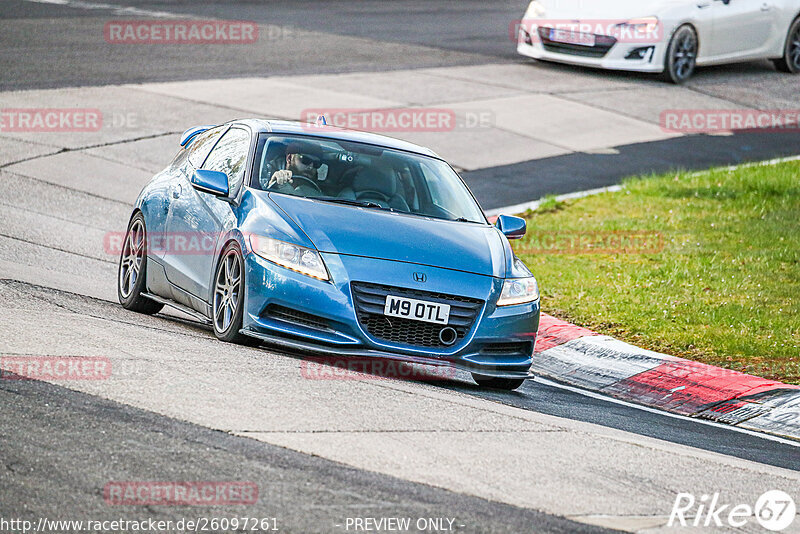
(765, 7)
(703, 5)
(176, 191)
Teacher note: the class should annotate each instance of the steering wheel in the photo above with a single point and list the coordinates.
(307, 180)
(374, 196)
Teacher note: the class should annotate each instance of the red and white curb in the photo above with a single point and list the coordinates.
(579, 357)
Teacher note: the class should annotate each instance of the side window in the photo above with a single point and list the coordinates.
(229, 156)
(200, 147)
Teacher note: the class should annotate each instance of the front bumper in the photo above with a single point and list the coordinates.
(320, 317)
(616, 58)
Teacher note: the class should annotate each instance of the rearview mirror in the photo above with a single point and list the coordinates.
(512, 227)
(213, 182)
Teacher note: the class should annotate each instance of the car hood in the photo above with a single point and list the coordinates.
(374, 233)
(614, 9)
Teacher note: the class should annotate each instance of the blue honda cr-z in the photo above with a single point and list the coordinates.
(333, 242)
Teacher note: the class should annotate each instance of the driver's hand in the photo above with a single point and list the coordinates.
(280, 178)
(322, 172)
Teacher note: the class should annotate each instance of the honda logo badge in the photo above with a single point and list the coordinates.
(420, 277)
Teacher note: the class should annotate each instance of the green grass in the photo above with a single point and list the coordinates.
(725, 287)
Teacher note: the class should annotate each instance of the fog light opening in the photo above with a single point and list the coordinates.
(644, 52)
(448, 335)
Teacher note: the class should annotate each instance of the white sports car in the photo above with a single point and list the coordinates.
(662, 36)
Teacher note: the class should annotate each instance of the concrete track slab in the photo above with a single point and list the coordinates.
(150, 155)
(127, 114)
(37, 264)
(13, 150)
(265, 96)
(649, 105)
(574, 126)
(91, 174)
(56, 233)
(60, 202)
(480, 148)
(539, 77)
(412, 87)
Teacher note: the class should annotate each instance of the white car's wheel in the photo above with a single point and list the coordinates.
(681, 57)
(790, 62)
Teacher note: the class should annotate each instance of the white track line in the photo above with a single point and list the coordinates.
(115, 9)
(599, 396)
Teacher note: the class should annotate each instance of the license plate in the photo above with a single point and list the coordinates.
(418, 310)
(571, 37)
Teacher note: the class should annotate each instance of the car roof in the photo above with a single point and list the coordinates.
(303, 128)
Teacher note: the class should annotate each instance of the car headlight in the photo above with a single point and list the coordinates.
(518, 291)
(642, 26)
(535, 9)
(301, 259)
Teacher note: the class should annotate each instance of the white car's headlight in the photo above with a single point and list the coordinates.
(301, 259)
(519, 291)
(535, 9)
(643, 26)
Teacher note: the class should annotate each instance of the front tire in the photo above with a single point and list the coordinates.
(228, 301)
(132, 272)
(681, 56)
(790, 62)
(492, 382)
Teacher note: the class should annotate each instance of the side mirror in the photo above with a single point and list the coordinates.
(213, 182)
(512, 227)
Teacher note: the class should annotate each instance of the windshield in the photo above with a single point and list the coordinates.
(361, 174)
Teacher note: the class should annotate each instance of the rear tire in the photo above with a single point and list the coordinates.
(132, 271)
(492, 382)
(681, 57)
(790, 62)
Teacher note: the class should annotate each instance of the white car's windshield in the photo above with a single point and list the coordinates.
(361, 174)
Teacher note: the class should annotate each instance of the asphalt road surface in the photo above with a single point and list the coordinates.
(184, 406)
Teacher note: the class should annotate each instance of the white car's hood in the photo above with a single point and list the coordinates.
(605, 9)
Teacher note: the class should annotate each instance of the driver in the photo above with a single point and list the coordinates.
(303, 170)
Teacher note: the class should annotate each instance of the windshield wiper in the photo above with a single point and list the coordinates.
(351, 202)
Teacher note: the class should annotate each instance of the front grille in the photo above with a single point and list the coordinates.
(521, 347)
(370, 300)
(603, 44)
(296, 317)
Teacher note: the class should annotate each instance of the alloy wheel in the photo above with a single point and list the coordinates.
(132, 258)
(226, 291)
(794, 48)
(684, 54)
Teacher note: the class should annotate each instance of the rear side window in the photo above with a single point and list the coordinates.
(202, 145)
(229, 156)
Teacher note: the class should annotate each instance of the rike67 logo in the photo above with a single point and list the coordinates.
(775, 511)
